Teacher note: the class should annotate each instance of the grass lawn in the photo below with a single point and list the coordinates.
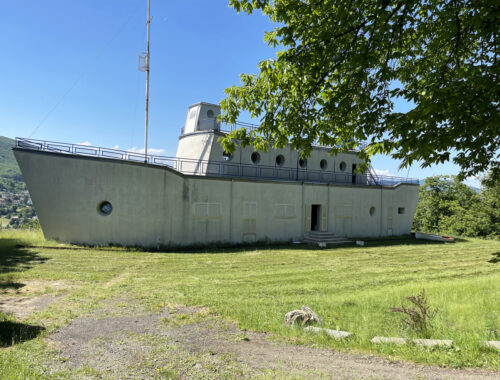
(351, 288)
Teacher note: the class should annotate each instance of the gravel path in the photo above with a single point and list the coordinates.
(179, 344)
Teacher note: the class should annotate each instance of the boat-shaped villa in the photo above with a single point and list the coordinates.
(96, 196)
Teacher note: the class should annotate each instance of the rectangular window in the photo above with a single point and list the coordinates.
(284, 211)
(250, 209)
(401, 210)
(207, 210)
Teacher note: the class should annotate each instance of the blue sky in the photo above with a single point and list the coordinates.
(69, 70)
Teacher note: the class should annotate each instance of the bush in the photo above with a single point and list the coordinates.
(447, 205)
(419, 317)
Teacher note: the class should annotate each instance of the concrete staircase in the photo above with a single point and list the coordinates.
(317, 237)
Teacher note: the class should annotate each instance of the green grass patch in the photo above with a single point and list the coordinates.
(351, 288)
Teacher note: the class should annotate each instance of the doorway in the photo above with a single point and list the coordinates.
(353, 174)
(315, 217)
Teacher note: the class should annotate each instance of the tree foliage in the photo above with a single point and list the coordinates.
(447, 205)
(345, 62)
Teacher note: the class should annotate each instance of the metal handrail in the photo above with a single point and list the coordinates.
(214, 125)
(216, 168)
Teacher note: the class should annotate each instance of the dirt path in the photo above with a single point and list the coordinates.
(23, 299)
(186, 343)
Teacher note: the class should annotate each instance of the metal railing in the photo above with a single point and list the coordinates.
(213, 125)
(216, 168)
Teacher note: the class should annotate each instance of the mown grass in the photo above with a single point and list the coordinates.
(351, 288)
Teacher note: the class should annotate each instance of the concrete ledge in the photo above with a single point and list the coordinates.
(383, 339)
(418, 342)
(492, 344)
(337, 334)
(433, 342)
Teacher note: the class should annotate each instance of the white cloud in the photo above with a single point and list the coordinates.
(473, 181)
(382, 172)
(87, 143)
(150, 150)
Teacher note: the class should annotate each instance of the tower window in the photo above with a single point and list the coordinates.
(226, 156)
(303, 163)
(323, 164)
(342, 166)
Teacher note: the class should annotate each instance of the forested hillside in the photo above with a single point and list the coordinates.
(11, 179)
(16, 209)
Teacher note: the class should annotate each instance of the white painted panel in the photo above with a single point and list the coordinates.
(308, 218)
(324, 218)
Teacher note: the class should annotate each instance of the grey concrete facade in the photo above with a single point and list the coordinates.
(204, 195)
(158, 206)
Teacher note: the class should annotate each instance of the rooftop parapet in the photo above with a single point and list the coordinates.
(217, 168)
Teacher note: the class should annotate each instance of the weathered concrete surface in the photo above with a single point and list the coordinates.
(433, 342)
(337, 334)
(157, 206)
(383, 339)
(492, 344)
(419, 342)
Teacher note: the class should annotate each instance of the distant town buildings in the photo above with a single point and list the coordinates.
(16, 209)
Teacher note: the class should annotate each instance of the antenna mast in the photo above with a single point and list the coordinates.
(146, 67)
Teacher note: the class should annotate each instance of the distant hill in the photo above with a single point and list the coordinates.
(476, 189)
(11, 178)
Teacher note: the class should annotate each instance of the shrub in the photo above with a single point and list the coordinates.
(419, 316)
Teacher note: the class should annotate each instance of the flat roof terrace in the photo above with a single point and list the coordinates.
(218, 168)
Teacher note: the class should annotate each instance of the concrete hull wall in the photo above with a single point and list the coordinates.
(158, 206)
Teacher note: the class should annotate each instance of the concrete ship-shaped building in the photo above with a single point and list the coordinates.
(97, 196)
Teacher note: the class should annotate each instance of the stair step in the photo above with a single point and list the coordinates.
(325, 237)
(327, 241)
(320, 233)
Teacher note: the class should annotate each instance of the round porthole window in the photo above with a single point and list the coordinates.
(342, 166)
(104, 208)
(280, 160)
(302, 163)
(210, 114)
(255, 157)
(226, 156)
(323, 164)
(372, 211)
